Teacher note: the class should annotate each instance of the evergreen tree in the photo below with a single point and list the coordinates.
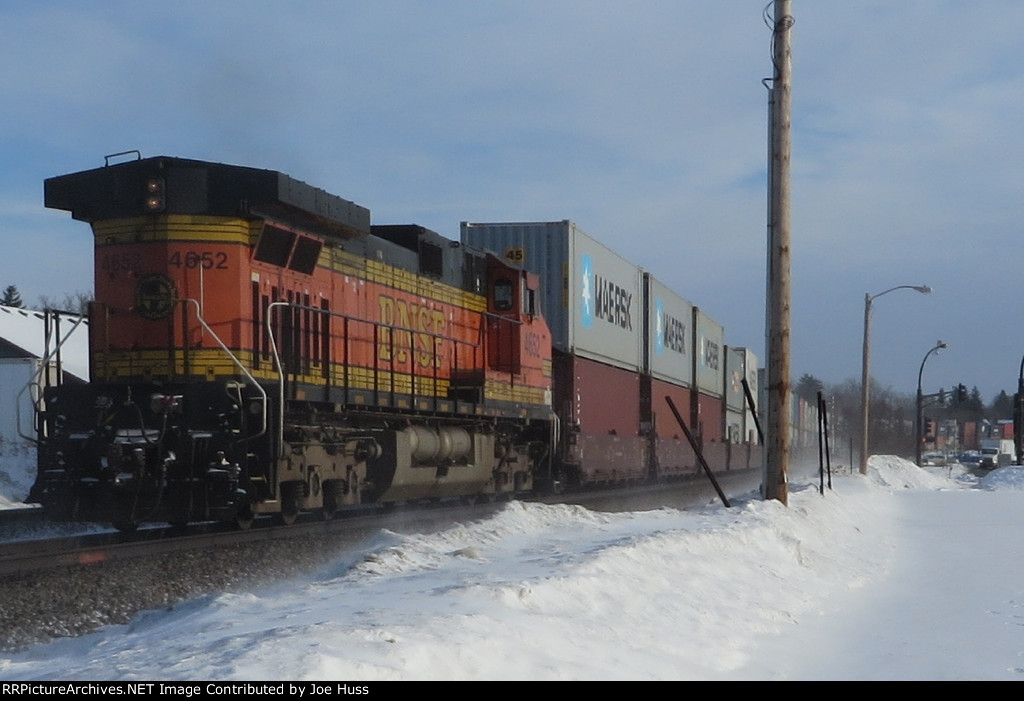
(1002, 406)
(807, 388)
(11, 298)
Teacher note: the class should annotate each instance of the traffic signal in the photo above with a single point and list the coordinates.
(961, 393)
(942, 396)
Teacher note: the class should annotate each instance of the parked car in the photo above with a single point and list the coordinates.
(970, 458)
(933, 459)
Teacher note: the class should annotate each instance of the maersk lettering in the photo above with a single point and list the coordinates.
(613, 303)
(711, 354)
(674, 334)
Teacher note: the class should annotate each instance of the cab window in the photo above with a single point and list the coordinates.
(529, 301)
(503, 297)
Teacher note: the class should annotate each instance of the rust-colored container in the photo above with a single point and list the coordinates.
(599, 407)
(674, 455)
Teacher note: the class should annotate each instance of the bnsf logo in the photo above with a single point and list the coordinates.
(410, 328)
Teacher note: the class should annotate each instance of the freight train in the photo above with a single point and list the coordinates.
(258, 347)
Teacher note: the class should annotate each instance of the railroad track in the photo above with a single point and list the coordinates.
(60, 587)
(91, 548)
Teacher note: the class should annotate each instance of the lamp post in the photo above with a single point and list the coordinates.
(866, 365)
(917, 428)
(1018, 417)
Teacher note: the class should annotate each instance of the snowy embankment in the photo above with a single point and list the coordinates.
(552, 592)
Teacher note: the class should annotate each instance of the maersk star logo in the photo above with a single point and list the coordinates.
(659, 327)
(587, 292)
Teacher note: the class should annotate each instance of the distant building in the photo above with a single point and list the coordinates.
(30, 333)
(30, 347)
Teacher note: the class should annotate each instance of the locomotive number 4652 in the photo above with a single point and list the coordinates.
(194, 259)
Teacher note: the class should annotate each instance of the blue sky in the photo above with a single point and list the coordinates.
(643, 122)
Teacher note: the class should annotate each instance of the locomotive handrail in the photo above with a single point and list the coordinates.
(237, 362)
(280, 377)
(36, 380)
(278, 366)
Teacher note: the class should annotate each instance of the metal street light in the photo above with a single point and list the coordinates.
(865, 367)
(1018, 417)
(917, 427)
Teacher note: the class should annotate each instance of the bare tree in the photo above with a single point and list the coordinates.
(76, 303)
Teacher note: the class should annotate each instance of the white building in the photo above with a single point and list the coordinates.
(30, 342)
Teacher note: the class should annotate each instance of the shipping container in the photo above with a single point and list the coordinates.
(709, 348)
(733, 426)
(709, 419)
(601, 439)
(591, 296)
(969, 438)
(674, 456)
(669, 337)
(741, 363)
(734, 372)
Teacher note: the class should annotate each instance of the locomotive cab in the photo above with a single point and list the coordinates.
(517, 334)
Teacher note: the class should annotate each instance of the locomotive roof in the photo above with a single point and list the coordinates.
(203, 187)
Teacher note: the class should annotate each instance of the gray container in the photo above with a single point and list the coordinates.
(734, 374)
(709, 354)
(752, 372)
(592, 297)
(670, 337)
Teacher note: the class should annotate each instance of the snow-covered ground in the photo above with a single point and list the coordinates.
(905, 573)
(17, 472)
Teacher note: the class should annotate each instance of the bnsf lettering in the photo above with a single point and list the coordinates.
(674, 334)
(410, 328)
(711, 354)
(613, 303)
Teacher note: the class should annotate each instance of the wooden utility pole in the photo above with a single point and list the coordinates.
(774, 483)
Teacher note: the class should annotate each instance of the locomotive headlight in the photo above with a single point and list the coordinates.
(155, 195)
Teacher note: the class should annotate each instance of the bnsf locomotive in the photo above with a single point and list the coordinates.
(258, 347)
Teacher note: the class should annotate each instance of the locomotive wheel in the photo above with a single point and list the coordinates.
(289, 511)
(288, 515)
(66, 509)
(291, 492)
(244, 518)
(124, 518)
(330, 507)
